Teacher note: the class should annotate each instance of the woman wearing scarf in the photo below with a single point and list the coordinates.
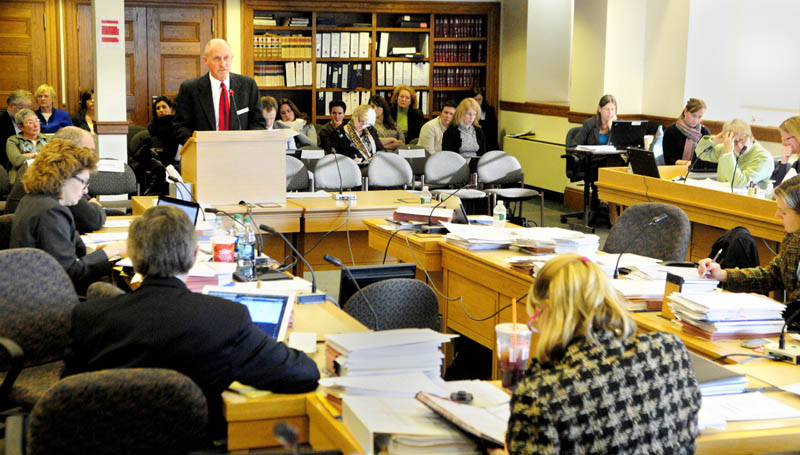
(358, 139)
(681, 138)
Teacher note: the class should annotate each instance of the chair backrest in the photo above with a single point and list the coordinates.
(101, 290)
(36, 302)
(5, 230)
(5, 183)
(399, 303)
(570, 139)
(389, 170)
(326, 175)
(103, 182)
(120, 411)
(498, 167)
(296, 175)
(417, 164)
(633, 233)
(132, 131)
(446, 168)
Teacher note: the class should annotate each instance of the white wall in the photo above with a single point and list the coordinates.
(233, 32)
(549, 50)
(513, 50)
(666, 43)
(587, 82)
(624, 53)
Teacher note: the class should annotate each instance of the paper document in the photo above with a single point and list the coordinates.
(109, 165)
(598, 149)
(104, 237)
(308, 194)
(748, 406)
(391, 385)
(117, 223)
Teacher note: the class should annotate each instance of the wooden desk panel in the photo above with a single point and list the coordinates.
(324, 214)
(426, 250)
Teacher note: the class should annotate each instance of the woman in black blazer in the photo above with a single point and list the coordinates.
(596, 130)
(464, 136)
(85, 116)
(681, 139)
(358, 139)
(408, 118)
(488, 118)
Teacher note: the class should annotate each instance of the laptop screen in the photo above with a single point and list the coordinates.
(191, 208)
(270, 312)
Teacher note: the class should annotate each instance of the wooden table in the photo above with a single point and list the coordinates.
(710, 211)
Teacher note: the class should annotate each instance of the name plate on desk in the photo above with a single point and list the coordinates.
(312, 154)
(412, 153)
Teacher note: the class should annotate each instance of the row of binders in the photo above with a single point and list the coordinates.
(344, 75)
(343, 45)
(277, 46)
(289, 74)
(351, 99)
(413, 74)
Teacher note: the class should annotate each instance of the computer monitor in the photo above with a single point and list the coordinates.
(269, 310)
(628, 133)
(191, 208)
(368, 274)
(459, 213)
(643, 162)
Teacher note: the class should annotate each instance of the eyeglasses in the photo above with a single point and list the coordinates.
(84, 182)
(786, 139)
(31, 122)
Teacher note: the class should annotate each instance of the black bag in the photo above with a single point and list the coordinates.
(738, 249)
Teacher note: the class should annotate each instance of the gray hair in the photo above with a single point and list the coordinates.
(162, 242)
(20, 117)
(18, 96)
(71, 133)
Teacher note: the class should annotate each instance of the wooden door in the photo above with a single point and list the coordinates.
(23, 54)
(136, 65)
(176, 38)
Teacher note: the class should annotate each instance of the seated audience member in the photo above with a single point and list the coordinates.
(391, 137)
(430, 136)
(488, 118)
(790, 144)
(741, 158)
(16, 101)
(681, 139)
(85, 117)
(593, 385)
(269, 107)
(464, 136)
(57, 179)
(25, 145)
(782, 271)
(296, 120)
(52, 119)
(358, 139)
(409, 119)
(163, 324)
(156, 150)
(337, 109)
(88, 214)
(162, 131)
(595, 130)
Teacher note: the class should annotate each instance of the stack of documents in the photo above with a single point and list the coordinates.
(473, 237)
(403, 385)
(540, 240)
(714, 379)
(578, 243)
(726, 315)
(641, 295)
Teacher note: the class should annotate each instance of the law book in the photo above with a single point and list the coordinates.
(344, 48)
(363, 45)
(326, 45)
(335, 42)
(354, 45)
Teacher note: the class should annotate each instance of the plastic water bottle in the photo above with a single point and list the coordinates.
(499, 214)
(246, 250)
(219, 226)
(237, 231)
(425, 197)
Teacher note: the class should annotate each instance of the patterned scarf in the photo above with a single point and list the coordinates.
(692, 136)
(362, 143)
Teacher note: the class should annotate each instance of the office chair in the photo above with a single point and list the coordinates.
(102, 290)
(5, 187)
(667, 240)
(447, 168)
(107, 183)
(398, 302)
(5, 230)
(417, 164)
(326, 174)
(497, 168)
(574, 168)
(297, 175)
(35, 311)
(389, 170)
(119, 411)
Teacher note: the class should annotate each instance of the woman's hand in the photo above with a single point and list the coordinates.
(727, 140)
(115, 249)
(711, 269)
(682, 162)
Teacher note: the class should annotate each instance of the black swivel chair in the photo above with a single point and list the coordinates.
(582, 166)
(574, 168)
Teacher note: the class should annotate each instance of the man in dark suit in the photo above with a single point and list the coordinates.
(164, 325)
(219, 99)
(17, 100)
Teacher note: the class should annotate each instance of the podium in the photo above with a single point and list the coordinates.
(226, 167)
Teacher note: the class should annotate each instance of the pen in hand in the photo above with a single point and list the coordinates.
(716, 256)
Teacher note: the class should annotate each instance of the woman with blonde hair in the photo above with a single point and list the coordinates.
(52, 119)
(358, 138)
(681, 139)
(464, 135)
(741, 158)
(593, 386)
(790, 144)
(408, 117)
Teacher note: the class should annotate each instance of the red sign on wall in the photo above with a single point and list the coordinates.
(109, 31)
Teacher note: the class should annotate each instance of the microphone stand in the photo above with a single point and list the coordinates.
(430, 228)
(338, 263)
(656, 220)
(235, 109)
(314, 297)
(736, 164)
(341, 196)
(185, 189)
(779, 350)
(695, 160)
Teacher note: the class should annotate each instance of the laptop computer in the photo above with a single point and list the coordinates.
(191, 208)
(628, 133)
(269, 310)
(643, 162)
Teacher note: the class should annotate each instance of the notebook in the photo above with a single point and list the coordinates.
(643, 162)
(269, 310)
(191, 208)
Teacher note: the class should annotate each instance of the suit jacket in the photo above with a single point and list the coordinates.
(589, 133)
(195, 109)
(451, 140)
(42, 222)
(415, 121)
(209, 339)
(340, 141)
(6, 131)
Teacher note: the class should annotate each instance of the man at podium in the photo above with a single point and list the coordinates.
(218, 100)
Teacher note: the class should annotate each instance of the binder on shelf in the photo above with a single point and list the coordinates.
(407, 73)
(307, 74)
(367, 81)
(323, 75)
(365, 97)
(363, 45)
(389, 74)
(326, 45)
(328, 99)
(381, 76)
(319, 77)
(383, 48)
(335, 42)
(344, 47)
(398, 73)
(346, 75)
(298, 74)
(423, 102)
(320, 100)
(354, 37)
(290, 79)
(318, 44)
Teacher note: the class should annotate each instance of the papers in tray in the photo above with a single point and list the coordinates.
(640, 289)
(99, 238)
(474, 237)
(308, 194)
(598, 149)
(477, 421)
(394, 385)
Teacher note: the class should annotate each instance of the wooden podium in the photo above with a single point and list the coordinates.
(231, 166)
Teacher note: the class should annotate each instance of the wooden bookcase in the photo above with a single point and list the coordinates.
(475, 48)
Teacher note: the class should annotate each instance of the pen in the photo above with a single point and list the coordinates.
(716, 256)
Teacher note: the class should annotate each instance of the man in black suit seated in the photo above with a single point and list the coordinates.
(199, 99)
(164, 325)
(16, 101)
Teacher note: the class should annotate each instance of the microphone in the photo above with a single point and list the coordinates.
(341, 196)
(338, 263)
(215, 211)
(430, 228)
(235, 109)
(779, 350)
(185, 189)
(695, 160)
(736, 164)
(287, 435)
(315, 298)
(656, 220)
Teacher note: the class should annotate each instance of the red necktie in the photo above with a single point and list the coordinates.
(224, 108)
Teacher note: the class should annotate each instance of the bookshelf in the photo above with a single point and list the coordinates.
(453, 52)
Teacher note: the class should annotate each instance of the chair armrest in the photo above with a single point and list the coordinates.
(17, 359)
(15, 435)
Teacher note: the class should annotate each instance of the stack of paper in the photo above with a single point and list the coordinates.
(641, 294)
(714, 379)
(404, 385)
(578, 243)
(473, 237)
(726, 315)
(540, 240)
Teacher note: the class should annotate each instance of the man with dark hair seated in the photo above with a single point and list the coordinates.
(164, 325)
